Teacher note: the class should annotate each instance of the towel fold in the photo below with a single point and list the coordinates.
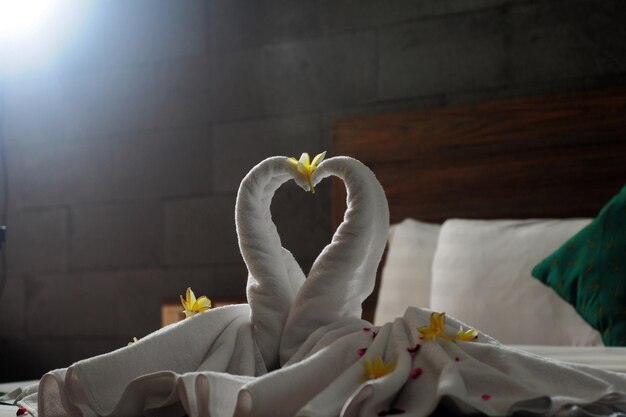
(323, 360)
(330, 380)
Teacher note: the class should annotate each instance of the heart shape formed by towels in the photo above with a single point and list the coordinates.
(285, 306)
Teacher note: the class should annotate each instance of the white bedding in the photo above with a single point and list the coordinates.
(6, 410)
(607, 358)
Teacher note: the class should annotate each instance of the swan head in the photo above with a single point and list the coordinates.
(305, 168)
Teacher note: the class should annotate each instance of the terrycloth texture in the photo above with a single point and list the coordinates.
(214, 364)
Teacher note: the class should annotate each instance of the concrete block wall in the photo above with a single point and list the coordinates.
(125, 154)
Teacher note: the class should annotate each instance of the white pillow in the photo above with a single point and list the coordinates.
(481, 275)
(406, 274)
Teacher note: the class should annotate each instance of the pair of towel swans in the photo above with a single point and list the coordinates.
(285, 307)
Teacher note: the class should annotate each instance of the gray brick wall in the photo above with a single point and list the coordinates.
(125, 153)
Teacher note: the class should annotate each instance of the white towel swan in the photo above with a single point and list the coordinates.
(344, 274)
(274, 276)
(214, 364)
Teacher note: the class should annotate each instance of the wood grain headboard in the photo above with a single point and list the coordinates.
(558, 156)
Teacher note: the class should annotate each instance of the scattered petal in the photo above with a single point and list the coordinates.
(413, 351)
(415, 372)
(362, 351)
(21, 411)
(485, 397)
(367, 329)
(457, 359)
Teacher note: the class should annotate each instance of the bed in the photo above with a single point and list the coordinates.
(557, 157)
(515, 159)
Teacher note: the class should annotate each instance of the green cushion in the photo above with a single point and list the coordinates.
(589, 271)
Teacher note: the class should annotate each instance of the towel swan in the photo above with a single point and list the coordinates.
(215, 363)
(340, 279)
(344, 274)
(274, 276)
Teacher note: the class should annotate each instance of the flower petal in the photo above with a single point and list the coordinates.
(318, 158)
(203, 302)
(191, 297)
(304, 160)
(183, 302)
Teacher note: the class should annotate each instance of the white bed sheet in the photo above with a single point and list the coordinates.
(6, 410)
(606, 358)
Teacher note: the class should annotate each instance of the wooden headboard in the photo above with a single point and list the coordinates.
(558, 156)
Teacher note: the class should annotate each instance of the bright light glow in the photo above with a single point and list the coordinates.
(35, 33)
(19, 18)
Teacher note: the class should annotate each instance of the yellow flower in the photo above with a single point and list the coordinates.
(378, 368)
(468, 335)
(307, 168)
(132, 341)
(193, 306)
(436, 329)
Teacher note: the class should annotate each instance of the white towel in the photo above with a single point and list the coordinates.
(274, 276)
(309, 334)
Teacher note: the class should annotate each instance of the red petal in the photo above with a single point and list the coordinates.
(414, 350)
(457, 359)
(362, 351)
(21, 411)
(486, 397)
(367, 329)
(415, 372)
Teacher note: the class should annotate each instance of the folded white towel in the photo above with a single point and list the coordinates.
(215, 363)
(274, 275)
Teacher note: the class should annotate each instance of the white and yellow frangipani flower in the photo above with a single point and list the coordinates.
(193, 306)
(377, 368)
(437, 330)
(306, 167)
